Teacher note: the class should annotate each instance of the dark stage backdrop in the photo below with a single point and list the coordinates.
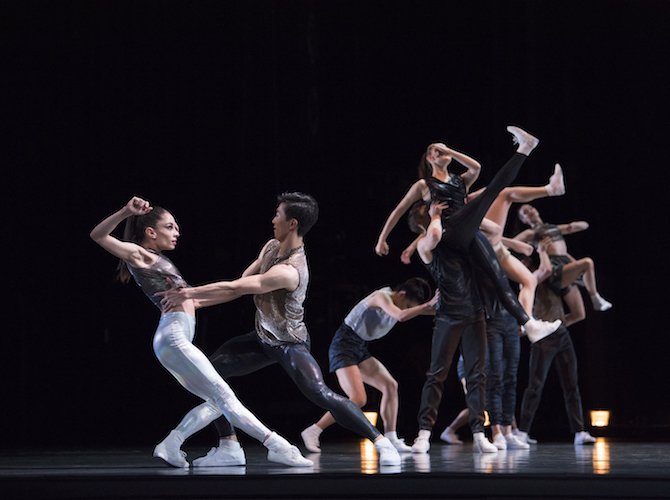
(211, 108)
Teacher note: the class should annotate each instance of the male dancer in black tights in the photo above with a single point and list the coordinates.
(278, 280)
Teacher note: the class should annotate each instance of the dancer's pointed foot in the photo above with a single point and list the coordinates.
(556, 186)
(526, 141)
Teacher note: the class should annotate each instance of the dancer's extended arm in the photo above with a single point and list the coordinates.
(384, 302)
(574, 227)
(251, 283)
(414, 194)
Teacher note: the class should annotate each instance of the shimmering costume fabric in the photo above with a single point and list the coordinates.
(453, 192)
(279, 314)
(545, 229)
(154, 279)
(460, 317)
(173, 346)
(175, 351)
(276, 342)
(461, 227)
(370, 323)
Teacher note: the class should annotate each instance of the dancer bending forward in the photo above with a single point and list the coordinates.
(371, 319)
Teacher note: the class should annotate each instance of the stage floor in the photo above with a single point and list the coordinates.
(349, 470)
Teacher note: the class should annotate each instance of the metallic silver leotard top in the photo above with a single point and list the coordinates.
(370, 323)
(279, 314)
(154, 278)
(545, 229)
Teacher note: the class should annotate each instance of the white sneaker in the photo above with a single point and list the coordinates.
(500, 442)
(170, 451)
(523, 437)
(399, 444)
(226, 455)
(514, 443)
(422, 442)
(388, 455)
(583, 437)
(600, 304)
(310, 437)
(290, 456)
(523, 138)
(450, 436)
(556, 186)
(537, 330)
(483, 445)
(281, 451)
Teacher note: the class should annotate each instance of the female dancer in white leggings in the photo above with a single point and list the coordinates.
(149, 231)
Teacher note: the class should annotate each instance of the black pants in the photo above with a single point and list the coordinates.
(247, 353)
(461, 233)
(556, 349)
(502, 363)
(447, 333)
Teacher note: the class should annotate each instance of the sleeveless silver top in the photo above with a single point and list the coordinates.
(279, 314)
(154, 278)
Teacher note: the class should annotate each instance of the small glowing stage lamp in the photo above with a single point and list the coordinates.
(600, 418)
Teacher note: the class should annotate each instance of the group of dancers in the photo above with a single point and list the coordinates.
(461, 244)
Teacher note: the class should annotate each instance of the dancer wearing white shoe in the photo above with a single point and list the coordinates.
(371, 319)
(492, 227)
(460, 318)
(148, 233)
(278, 280)
(462, 222)
(557, 350)
(565, 268)
(449, 433)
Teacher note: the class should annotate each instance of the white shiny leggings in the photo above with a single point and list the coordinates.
(174, 349)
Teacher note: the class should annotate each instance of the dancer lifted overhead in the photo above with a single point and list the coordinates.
(565, 268)
(461, 221)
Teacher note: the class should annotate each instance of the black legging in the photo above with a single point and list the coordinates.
(247, 353)
(461, 233)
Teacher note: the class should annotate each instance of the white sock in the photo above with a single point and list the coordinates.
(393, 435)
(315, 429)
(424, 433)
